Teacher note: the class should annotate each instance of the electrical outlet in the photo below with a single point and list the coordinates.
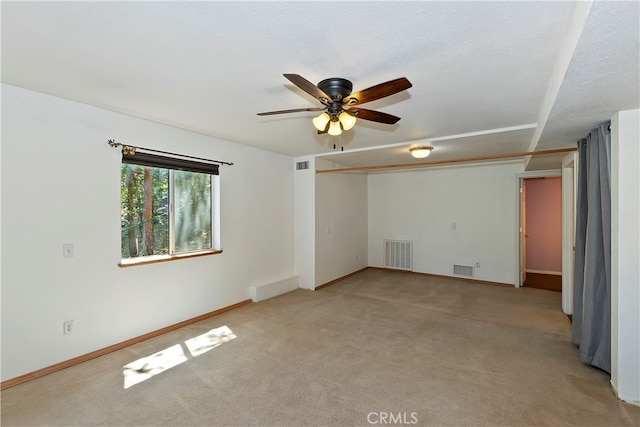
(68, 327)
(477, 264)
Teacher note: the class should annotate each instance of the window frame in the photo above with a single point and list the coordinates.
(215, 216)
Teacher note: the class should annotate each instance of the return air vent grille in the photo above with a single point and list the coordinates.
(398, 254)
(463, 270)
(302, 165)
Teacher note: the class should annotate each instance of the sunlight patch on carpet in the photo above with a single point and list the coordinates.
(149, 366)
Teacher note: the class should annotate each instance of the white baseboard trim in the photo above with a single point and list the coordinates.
(554, 273)
(270, 290)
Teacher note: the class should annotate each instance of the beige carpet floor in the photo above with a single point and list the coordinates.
(378, 346)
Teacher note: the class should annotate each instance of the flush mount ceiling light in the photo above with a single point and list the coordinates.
(420, 151)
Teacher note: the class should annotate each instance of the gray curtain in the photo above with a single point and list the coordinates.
(592, 268)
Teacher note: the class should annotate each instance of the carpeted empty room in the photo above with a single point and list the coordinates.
(379, 347)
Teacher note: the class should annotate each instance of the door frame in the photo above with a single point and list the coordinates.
(569, 185)
(520, 246)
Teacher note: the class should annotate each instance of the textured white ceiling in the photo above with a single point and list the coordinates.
(211, 66)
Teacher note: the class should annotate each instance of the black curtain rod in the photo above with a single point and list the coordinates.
(113, 143)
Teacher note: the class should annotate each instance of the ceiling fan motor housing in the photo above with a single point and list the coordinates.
(336, 88)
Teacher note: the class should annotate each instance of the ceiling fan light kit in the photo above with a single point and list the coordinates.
(420, 151)
(334, 128)
(347, 120)
(335, 94)
(321, 121)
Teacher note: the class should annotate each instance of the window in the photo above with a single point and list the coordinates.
(168, 207)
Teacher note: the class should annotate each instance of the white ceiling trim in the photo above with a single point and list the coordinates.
(435, 139)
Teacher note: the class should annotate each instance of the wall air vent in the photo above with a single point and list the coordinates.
(302, 165)
(398, 254)
(463, 270)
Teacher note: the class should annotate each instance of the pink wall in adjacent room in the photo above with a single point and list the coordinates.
(543, 198)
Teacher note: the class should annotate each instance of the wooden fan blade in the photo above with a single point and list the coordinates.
(295, 110)
(309, 87)
(374, 116)
(378, 91)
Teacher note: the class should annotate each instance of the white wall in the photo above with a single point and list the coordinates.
(341, 224)
(422, 206)
(305, 216)
(61, 184)
(625, 255)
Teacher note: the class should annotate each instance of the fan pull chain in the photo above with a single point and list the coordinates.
(335, 146)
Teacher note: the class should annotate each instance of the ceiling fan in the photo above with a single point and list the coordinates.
(340, 105)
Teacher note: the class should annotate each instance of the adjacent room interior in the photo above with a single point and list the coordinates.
(184, 218)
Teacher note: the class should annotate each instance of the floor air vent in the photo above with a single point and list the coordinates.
(398, 254)
(463, 270)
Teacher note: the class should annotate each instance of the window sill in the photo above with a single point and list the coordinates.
(153, 259)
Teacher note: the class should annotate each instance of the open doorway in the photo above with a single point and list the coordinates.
(528, 264)
(542, 229)
(568, 175)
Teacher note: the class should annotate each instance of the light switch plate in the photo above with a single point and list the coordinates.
(67, 250)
